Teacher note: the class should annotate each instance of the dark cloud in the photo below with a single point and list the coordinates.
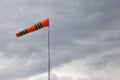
(79, 29)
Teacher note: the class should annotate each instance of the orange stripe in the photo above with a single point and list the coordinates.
(45, 22)
(31, 28)
(18, 34)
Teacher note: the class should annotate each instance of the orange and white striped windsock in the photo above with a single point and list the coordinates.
(39, 25)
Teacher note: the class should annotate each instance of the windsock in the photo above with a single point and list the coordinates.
(39, 25)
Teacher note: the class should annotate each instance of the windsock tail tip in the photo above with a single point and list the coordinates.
(18, 34)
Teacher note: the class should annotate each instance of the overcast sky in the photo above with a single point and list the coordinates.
(85, 40)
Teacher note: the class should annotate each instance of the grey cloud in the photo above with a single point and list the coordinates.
(70, 20)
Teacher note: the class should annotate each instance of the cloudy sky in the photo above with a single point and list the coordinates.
(85, 41)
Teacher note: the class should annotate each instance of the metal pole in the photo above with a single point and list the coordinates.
(48, 53)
